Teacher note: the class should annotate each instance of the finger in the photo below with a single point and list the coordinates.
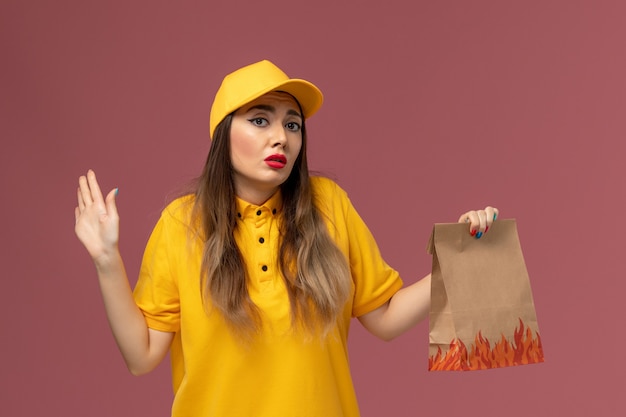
(85, 192)
(468, 217)
(491, 215)
(110, 203)
(472, 218)
(482, 223)
(96, 194)
(76, 214)
(81, 202)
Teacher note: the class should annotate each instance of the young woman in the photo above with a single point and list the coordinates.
(252, 281)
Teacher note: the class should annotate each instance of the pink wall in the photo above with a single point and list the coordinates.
(431, 108)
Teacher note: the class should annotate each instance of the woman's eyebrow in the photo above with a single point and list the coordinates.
(265, 107)
(294, 113)
(272, 109)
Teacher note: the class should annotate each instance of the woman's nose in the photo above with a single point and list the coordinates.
(279, 136)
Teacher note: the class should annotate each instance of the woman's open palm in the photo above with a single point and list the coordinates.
(97, 220)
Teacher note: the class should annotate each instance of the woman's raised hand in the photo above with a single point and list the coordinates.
(97, 220)
(479, 220)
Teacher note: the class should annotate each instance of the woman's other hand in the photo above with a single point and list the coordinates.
(479, 220)
(97, 220)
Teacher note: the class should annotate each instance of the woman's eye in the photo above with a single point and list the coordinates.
(293, 126)
(259, 121)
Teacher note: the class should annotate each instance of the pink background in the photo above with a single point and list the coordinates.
(432, 108)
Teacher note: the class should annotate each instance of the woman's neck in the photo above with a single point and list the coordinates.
(255, 196)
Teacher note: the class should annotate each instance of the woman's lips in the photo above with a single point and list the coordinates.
(276, 161)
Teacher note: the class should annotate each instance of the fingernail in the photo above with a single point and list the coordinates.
(472, 232)
(495, 215)
(478, 235)
(486, 228)
(117, 191)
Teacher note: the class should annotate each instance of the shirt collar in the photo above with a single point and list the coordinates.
(271, 207)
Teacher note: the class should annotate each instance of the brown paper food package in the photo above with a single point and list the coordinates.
(482, 313)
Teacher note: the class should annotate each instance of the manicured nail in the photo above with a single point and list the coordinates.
(495, 215)
(486, 228)
(478, 235)
(472, 232)
(117, 191)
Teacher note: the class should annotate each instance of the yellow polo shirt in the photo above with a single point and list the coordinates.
(283, 373)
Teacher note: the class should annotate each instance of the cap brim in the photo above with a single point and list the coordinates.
(308, 95)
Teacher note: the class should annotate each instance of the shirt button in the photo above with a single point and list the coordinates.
(239, 215)
(258, 213)
(264, 268)
(273, 211)
(261, 240)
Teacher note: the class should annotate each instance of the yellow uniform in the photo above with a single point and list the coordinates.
(283, 373)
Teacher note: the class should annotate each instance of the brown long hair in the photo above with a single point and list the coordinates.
(315, 271)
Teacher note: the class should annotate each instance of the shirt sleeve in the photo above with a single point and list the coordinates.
(375, 282)
(156, 291)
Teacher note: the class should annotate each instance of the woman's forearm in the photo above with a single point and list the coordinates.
(405, 309)
(141, 347)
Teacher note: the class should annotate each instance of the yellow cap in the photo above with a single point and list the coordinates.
(251, 82)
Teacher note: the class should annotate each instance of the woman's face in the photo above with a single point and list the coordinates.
(265, 140)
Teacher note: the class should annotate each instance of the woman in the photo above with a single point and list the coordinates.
(251, 282)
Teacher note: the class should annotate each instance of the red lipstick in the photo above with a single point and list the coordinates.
(277, 161)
